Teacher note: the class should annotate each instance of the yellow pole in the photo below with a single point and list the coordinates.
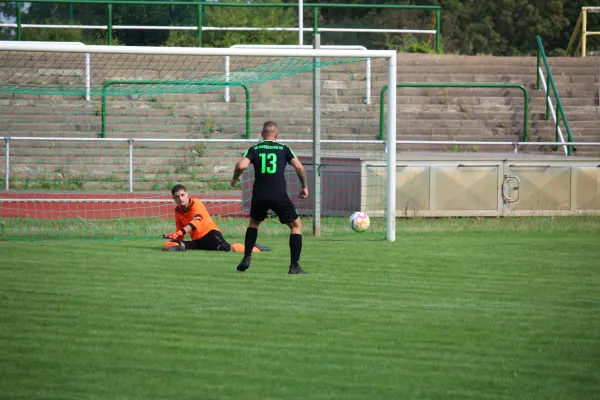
(574, 37)
(430, 36)
(583, 31)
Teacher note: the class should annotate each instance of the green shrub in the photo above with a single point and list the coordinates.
(417, 48)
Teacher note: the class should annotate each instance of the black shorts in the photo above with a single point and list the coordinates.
(213, 240)
(283, 207)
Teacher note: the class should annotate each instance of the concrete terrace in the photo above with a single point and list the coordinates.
(422, 114)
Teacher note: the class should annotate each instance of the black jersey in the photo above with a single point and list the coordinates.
(269, 159)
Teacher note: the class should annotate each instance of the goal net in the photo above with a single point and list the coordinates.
(95, 137)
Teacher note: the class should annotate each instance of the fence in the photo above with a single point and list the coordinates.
(202, 6)
(548, 84)
(130, 142)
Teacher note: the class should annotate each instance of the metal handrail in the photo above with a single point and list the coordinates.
(130, 142)
(200, 11)
(459, 85)
(549, 83)
(331, 141)
(178, 83)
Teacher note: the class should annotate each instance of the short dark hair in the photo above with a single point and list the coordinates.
(269, 125)
(178, 188)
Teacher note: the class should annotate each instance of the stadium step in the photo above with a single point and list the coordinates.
(422, 112)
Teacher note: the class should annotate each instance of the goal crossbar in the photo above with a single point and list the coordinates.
(188, 51)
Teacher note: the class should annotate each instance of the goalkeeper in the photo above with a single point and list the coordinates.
(192, 217)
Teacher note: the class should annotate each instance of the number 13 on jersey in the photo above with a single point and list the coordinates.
(268, 163)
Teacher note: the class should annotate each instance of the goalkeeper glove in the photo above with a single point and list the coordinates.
(175, 235)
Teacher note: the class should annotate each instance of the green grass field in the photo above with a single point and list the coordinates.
(454, 309)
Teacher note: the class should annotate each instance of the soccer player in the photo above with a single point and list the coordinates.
(192, 217)
(269, 159)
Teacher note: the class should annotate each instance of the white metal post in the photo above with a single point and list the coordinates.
(88, 77)
(300, 22)
(227, 79)
(7, 162)
(131, 165)
(391, 153)
(316, 140)
(368, 72)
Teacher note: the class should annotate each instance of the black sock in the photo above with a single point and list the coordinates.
(250, 241)
(295, 247)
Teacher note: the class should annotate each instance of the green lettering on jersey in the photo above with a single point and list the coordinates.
(268, 147)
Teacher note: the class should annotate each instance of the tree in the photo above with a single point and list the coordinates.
(251, 17)
(146, 15)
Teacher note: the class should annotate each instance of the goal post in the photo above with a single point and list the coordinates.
(167, 122)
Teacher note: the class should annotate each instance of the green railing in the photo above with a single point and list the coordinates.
(179, 83)
(560, 112)
(200, 10)
(459, 85)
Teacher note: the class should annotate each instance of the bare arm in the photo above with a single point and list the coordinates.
(240, 167)
(301, 176)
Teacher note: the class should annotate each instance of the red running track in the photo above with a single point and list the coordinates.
(103, 206)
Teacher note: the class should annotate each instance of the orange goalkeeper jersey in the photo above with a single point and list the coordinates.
(197, 215)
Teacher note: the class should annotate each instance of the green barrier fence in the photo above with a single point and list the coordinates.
(560, 112)
(201, 9)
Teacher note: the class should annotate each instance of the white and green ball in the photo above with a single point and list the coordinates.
(359, 221)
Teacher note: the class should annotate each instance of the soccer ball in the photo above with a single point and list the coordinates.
(359, 222)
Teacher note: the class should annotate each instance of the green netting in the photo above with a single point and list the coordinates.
(88, 189)
(273, 70)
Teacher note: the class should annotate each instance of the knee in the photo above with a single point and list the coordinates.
(253, 223)
(296, 226)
